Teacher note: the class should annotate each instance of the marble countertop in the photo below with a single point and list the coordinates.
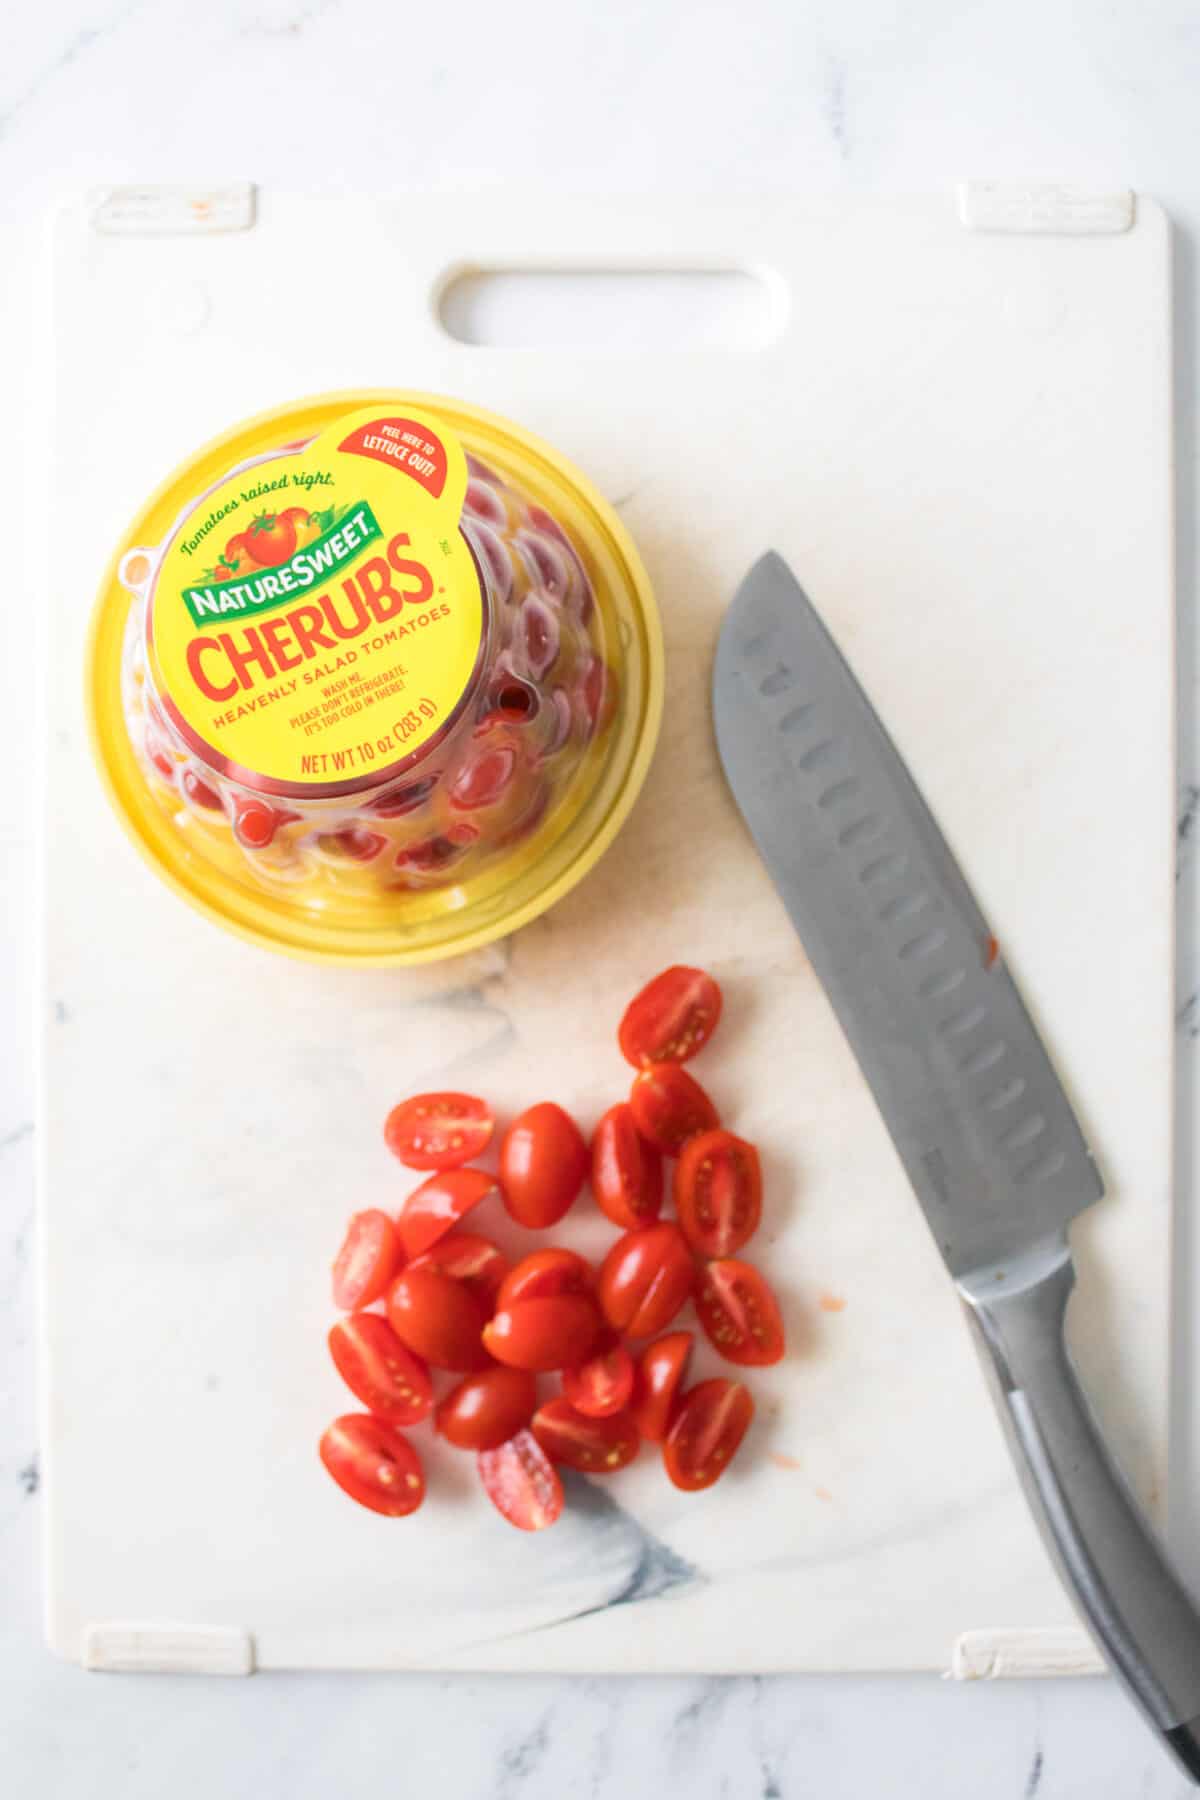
(828, 98)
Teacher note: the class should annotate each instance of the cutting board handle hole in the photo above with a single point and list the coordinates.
(639, 309)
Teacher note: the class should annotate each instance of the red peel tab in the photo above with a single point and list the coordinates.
(403, 445)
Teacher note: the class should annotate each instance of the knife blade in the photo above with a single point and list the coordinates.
(965, 1086)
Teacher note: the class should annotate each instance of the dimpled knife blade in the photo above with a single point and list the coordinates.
(957, 1069)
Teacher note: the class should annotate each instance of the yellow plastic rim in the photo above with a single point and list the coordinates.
(439, 923)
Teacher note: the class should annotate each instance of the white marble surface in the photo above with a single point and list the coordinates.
(832, 98)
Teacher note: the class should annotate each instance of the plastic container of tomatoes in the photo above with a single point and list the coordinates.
(374, 677)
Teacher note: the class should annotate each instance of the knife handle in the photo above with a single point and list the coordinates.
(1132, 1600)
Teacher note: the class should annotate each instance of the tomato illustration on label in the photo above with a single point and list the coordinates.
(271, 539)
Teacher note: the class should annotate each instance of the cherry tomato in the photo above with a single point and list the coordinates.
(368, 1259)
(439, 1318)
(545, 1333)
(437, 852)
(603, 1383)
(374, 1464)
(718, 1192)
(475, 1261)
(545, 1273)
(522, 1483)
(255, 823)
(669, 1107)
(711, 1422)
(537, 637)
(739, 1313)
(626, 1170)
(599, 693)
(597, 1446)
(485, 503)
(546, 565)
(356, 844)
(438, 1204)
(159, 757)
(199, 792)
(401, 800)
(487, 773)
(671, 1019)
(438, 1131)
(271, 539)
(645, 1279)
(661, 1372)
(485, 1410)
(543, 1162)
(379, 1370)
(530, 818)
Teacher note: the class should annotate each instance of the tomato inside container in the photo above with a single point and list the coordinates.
(385, 686)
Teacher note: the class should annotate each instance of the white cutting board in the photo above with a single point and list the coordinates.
(959, 435)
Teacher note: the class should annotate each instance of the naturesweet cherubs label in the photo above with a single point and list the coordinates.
(318, 617)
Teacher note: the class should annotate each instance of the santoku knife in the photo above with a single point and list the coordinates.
(965, 1088)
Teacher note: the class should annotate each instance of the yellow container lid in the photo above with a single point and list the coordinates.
(334, 914)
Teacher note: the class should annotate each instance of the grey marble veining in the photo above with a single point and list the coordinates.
(827, 98)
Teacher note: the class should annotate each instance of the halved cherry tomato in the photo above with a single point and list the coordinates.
(669, 1107)
(544, 1273)
(645, 1279)
(718, 1192)
(369, 1257)
(522, 1483)
(543, 1162)
(712, 1420)
(438, 1204)
(439, 1318)
(544, 1333)
(626, 1170)
(374, 1464)
(438, 1131)
(475, 1261)
(739, 1313)
(597, 1446)
(381, 1371)
(671, 1019)
(603, 1383)
(485, 1410)
(661, 1372)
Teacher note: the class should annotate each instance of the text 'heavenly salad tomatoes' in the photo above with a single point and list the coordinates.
(454, 1302)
